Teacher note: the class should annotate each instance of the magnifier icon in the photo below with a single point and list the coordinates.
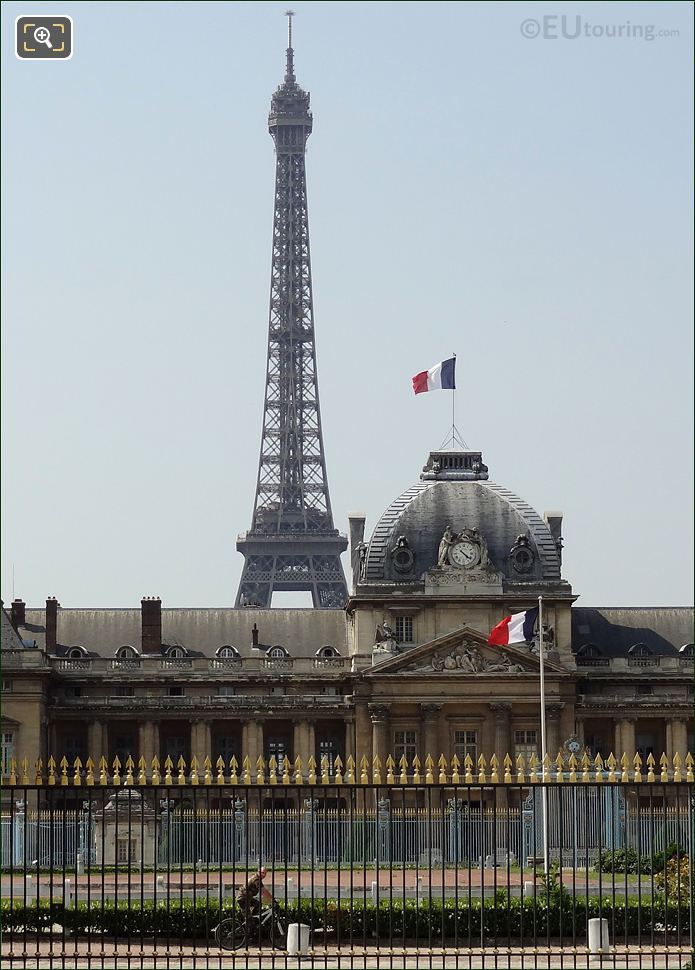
(42, 35)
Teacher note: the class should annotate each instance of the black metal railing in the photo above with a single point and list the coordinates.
(439, 869)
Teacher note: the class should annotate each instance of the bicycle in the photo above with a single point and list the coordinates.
(234, 934)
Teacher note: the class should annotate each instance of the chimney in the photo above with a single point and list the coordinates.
(18, 614)
(357, 522)
(52, 605)
(554, 521)
(254, 637)
(151, 611)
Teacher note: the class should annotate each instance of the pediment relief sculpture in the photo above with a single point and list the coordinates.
(466, 658)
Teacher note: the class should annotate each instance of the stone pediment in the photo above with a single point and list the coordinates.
(464, 653)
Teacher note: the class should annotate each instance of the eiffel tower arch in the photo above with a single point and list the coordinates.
(292, 544)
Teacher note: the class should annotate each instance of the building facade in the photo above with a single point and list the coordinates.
(404, 669)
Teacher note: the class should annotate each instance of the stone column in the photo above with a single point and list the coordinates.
(244, 741)
(429, 743)
(679, 735)
(363, 733)
(300, 744)
(381, 739)
(95, 742)
(553, 713)
(349, 739)
(145, 744)
(617, 741)
(627, 737)
(503, 739)
(311, 741)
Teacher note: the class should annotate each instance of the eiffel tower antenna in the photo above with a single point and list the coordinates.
(292, 544)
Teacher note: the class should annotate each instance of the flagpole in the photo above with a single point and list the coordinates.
(544, 749)
(453, 408)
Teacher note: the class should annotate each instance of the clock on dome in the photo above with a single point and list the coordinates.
(464, 553)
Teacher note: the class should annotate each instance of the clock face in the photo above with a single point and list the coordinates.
(464, 554)
(574, 745)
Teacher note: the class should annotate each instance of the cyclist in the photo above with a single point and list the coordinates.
(253, 894)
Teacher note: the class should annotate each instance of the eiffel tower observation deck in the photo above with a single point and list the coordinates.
(292, 544)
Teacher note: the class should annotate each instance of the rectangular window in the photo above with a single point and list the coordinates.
(225, 690)
(226, 748)
(525, 744)
(125, 851)
(404, 629)
(404, 743)
(278, 749)
(176, 692)
(7, 686)
(7, 752)
(328, 748)
(123, 690)
(466, 743)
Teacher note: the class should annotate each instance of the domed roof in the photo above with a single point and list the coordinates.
(454, 492)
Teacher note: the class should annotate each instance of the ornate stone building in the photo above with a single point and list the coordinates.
(404, 668)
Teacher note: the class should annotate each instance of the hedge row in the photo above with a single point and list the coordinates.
(502, 917)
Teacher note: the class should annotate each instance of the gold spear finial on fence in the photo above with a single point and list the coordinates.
(416, 771)
(63, 770)
(129, 765)
(103, 771)
(494, 775)
(194, 770)
(38, 780)
(156, 777)
(25, 771)
(142, 771)
(482, 777)
(598, 767)
(625, 768)
(350, 773)
(559, 768)
(338, 770)
(689, 767)
(546, 767)
(650, 768)
(13, 771)
(508, 765)
(286, 770)
(116, 771)
(272, 770)
(442, 769)
(376, 770)
(181, 765)
(168, 768)
(468, 769)
(364, 770)
(220, 765)
(77, 777)
(260, 770)
(246, 770)
(611, 763)
(677, 776)
(233, 771)
(429, 770)
(572, 762)
(325, 777)
(637, 762)
(403, 764)
(663, 761)
(207, 770)
(311, 765)
(533, 769)
(586, 776)
(298, 777)
(455, 770)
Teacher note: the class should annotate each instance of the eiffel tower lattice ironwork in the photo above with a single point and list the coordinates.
(292, 544)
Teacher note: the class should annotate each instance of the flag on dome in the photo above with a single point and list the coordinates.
(437, 378)
(517, 628)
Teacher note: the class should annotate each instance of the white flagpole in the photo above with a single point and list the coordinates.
(544, 749)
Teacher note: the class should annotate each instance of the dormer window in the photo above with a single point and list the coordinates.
(126, 653)
(77, 653)
(176, 653)
(276, 653)
(228, 652)
(686, 651)
(589, 655)
(327, 653)
(639, 650)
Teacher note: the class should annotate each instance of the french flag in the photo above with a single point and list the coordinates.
(517, 628)
(437, 378)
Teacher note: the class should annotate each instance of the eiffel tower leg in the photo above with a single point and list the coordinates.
(321, 575)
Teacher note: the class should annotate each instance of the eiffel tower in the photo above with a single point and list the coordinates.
(292, 543)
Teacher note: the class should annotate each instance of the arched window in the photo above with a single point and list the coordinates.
(126, 652)
(277, 652)
(176, 652)
(686, 651)
(639, 650)
(327, 653)
(589, 655)
(77, 653)
(227, 652)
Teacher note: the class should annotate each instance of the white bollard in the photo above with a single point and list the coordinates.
(68, 893)
(528, 887)
(297, 939)
(160, 883)
(418, 888)
(599, 940)
(79, 864)
(375, 887)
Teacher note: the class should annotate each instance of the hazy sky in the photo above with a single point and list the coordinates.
(523, 201)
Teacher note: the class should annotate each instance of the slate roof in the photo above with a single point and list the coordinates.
(201, 631)
(10, 639)
(613, 630)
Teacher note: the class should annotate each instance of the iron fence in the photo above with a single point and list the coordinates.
(109, 870)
